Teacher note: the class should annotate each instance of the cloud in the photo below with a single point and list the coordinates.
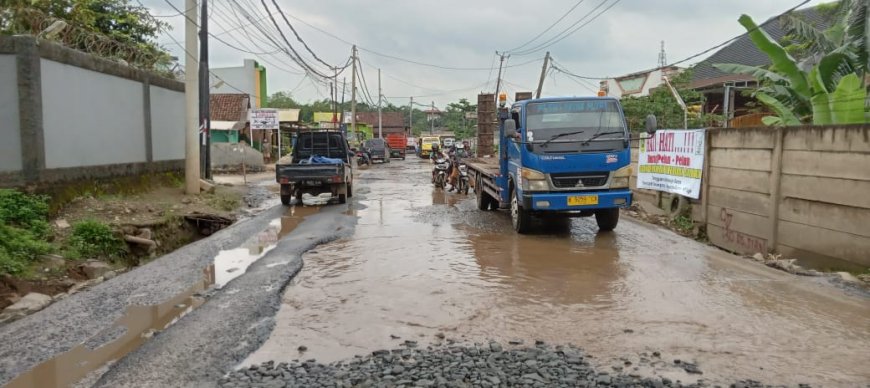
(465, 33)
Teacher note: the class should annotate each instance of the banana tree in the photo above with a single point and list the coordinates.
(833, 92)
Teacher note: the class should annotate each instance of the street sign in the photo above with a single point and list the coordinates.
(263, 118)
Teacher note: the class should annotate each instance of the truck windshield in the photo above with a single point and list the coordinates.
(564, 126)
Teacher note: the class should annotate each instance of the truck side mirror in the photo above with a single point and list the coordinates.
(510, 128)
(651, 124)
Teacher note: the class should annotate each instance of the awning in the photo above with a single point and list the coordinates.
(226, 125)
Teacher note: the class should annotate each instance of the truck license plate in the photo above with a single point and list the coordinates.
(312, 183)
(582, 200)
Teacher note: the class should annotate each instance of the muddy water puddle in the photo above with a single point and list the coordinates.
(139, 323)
(423, 262)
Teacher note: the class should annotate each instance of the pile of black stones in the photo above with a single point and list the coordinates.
(478, 365)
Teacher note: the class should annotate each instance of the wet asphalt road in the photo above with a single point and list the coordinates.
(422, 262)
(404, 261)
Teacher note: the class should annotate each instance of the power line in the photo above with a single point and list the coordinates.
(298, 58)
(566, 33)
(395, 57)
(211, 34)
(298, 37)
(548, 28)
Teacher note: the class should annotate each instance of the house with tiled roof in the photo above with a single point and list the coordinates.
(229, 115)
(723, 91)
(391, 122)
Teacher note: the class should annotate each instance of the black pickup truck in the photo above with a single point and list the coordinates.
(304, 175)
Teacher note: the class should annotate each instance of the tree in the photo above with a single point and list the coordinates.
(832, 92)
(455, 119)
(848, 33)
(109, 28)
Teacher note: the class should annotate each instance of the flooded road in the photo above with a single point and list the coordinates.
(423, 262)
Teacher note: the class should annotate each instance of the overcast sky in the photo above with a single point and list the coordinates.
(465, 34)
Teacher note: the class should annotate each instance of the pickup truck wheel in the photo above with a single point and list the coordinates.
(520, 217)
(350, 190)
(607, 219)
(285, 199)
(342, 197)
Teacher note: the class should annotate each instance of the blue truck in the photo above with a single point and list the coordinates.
(558, 157)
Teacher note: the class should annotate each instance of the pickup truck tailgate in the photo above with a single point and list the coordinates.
(323, 173)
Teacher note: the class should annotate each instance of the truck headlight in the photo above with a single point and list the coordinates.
(533, 180)
(621, 178)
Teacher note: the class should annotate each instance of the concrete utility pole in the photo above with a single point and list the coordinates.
(500, 66)
(411, 116)
(191, 90)
(204, 84)
(543, 74)
(353, 94)
(380, 98)
(432, 129)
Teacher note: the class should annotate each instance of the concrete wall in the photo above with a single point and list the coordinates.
(90, 118)
(803, 192)
(167, 123)
(70, 116)
(10, 132)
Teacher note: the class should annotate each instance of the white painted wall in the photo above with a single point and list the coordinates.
(10, 132)
(90, 118)
(653, 80)
(236, 80)
(167, 124)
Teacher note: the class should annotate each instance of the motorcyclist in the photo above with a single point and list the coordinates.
(434, 156)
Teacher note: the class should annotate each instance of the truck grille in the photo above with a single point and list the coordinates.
(592, 179)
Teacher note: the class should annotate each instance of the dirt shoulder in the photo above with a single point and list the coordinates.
(162, 214)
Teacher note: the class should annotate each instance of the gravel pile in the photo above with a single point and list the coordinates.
(449, 366)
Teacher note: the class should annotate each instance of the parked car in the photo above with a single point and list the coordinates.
(378, 149)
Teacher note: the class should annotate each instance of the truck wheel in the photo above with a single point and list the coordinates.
(483, 198)
(285, 199)
(350, 190)
(342, 196)
(521, 218)
(607, 219)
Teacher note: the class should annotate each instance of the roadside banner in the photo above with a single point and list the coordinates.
(671, 160)
(263, 119)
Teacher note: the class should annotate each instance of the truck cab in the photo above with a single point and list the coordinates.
(559, 157)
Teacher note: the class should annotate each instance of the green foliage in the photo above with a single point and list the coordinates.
(94, 239)
(118, 20)
(18, 248)
(831, 92)
(29, 212)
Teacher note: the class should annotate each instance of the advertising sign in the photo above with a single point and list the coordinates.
(264, 119)
(672, 161)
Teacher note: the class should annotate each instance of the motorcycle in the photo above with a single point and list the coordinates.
(363, 159)
(440, 172)
(462, 180)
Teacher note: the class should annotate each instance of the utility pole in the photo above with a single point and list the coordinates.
(498, 80)
(353, 94)
(341, 106)
(191, 88)
(432, 129)
(335, 101)
(380, 98)
(543, 74)
(204, 84)
(411, 116)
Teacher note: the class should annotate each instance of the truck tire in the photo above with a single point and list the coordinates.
(342, 196)
(484, 200)
(521, 218)
(607, 219)
(350, 190)
(285, 199)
